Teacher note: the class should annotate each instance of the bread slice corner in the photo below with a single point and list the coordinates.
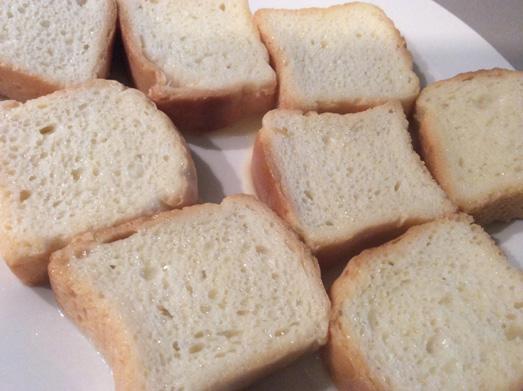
(206, 297)
(438, 308)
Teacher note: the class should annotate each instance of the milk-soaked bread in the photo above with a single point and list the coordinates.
(341, 59)
(49, 45)
(439, 309)
(344, 181)
(471, 131)
(201, 61)
(81, 159)
(205, 298)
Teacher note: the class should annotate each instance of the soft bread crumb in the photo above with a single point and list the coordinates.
(209, 297)
(471, 129)
(345, 178)
(344, 58)
(81, 159)
(439, 309)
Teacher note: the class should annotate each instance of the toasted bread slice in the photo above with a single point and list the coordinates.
(202, 62)
(342, 59)
(81, 159)
(205, 298)
(471, 132)
(47, 47)
(440, 308)
(344, 182)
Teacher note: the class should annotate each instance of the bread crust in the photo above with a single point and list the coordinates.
(191, 109)
(21, 85)
(32, 269)
(289, 99)
(88, 310)
(498, 205)
(345, 361)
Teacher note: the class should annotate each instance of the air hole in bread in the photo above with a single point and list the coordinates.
(261, 250)
(163, 311)
(198, 347)
(81, 3)
(76, 173)
(309, 195)
(24, 195)
(49, 129)
(513, 331)
(45, 23)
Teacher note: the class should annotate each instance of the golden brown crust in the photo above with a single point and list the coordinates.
(191, 109)
(95, 316)
(287, 98)
(21, 86)
(267, 182)
(500, 205)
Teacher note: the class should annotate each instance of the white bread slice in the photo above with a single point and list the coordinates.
(344, 182)
(345, 58)
(440, 308)
(209, 297)
(471, 132)
(80, 159)
(202, 62)
(46, 47)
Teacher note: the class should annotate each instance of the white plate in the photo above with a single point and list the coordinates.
(42, 350)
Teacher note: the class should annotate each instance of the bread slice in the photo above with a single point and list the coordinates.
(471, 132)
(344, 182)
(202, 62)
(440, 308)
(82, 159)
(345, 58)
(208, 297)
(46, 47)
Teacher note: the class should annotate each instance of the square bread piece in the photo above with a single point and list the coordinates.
(471, 132)
(201, 61)
(344, 181)
(440, 308)
(210, 297)
(81, 159)
(48, 45)
(342, 59)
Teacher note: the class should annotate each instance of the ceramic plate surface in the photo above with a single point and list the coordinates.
(42, 350)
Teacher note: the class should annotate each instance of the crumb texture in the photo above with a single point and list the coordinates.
(349, 53)
(442, 309)
(474, 124)
(85, 158)
(203, 44)
(60, 41)
(343, 174)
(210, 294)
